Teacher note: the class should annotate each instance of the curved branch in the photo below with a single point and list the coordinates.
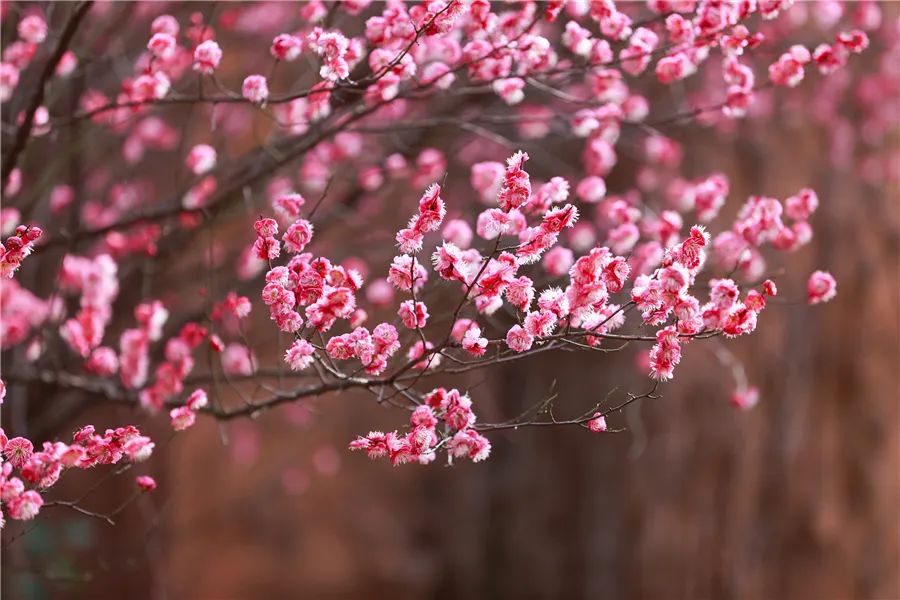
(23, 131)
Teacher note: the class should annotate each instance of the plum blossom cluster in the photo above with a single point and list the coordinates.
(455, 34)
(577, 261)
(16, 248)
(789, 69)
(765, 221)
(663, 290)
(185, 416)
(26, 474)
(371, 349)
(327, 291)
(21, 314)
(177, 363)
(334, 48)
(429, 218)
(95, 281)
(32, 32)
(444, 421)
(821, 287)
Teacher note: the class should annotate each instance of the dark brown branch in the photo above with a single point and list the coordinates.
(23, 132)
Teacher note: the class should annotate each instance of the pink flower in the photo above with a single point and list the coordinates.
(520, 293)
(423, 416)
(152, 316)
(597, 424)
(675, 67)
(236, 359)
(420, 441)
(577, 39)
(9, 79)
(300, 355)
(150, 87)
(821, 287)
(239, 306)
(518, 339)
(18, 450)
(449, 262)
(25, 506)
(458, 410)
(379, 292)
(666, 354)
(414, 315)
(162, 45)
(510, 90)
(740, 320)
(267, 247)
(33, 29)
(165, 24)
(788, 69)
(458, 232)
(555, 301)
(201, 159)
(403, 270)
(540, 323)
(376, 444)
(197, 400)
(829, 58)
(599, 157)
(138, 448)
(486, 178)
(133, 357)
(216, 343)
(43, 468)
(286, 47)
(431, 210)
(802, 206)
(207, 57)
(287, 207)
(680, 30)
(615, 24)
(255, 89)
(516, 189)
(145, 483)
(745, 398)
(409, 240)
(297, 236)
(266, 227)
(182, 417)
(431, 214)
(333, 47)
(439, 75)
(103, 361)
(853, 41)
(558, 260)
(11, 488)
(334, 303)
(473, 342)
(755, 301)
(470, 443)
(419, 350)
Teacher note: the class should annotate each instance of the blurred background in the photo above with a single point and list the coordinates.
(797, 498)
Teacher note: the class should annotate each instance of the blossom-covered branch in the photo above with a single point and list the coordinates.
(493, 183)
